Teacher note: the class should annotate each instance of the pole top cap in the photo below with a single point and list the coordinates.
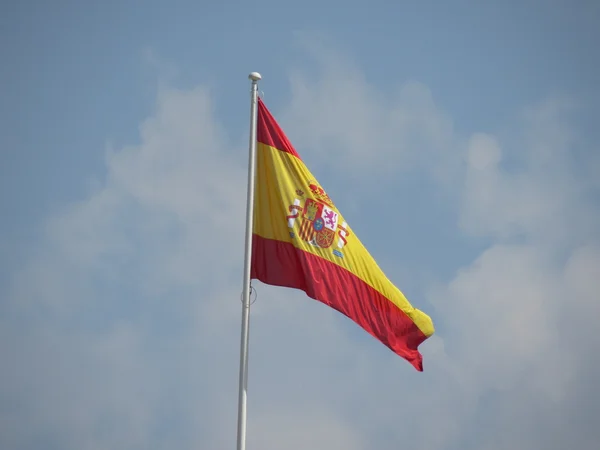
(254, 76)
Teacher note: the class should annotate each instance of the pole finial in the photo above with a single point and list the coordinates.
(254, 76)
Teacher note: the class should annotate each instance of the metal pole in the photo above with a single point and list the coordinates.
(243, 388)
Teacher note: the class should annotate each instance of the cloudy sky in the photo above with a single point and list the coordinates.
(458, 138)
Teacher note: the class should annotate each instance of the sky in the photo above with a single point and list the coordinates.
(459, 139)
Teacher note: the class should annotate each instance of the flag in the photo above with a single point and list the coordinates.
(300, 240)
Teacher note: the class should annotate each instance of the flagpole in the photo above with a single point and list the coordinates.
(243, 387)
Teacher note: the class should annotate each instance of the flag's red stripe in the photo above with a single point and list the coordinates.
(268, 131)
(281, 264)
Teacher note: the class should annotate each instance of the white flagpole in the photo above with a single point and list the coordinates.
(243, 388)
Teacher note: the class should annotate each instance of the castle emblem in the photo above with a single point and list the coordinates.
(316, 220)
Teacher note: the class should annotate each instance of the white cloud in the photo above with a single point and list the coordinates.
(541, 196)
(345, 124)
(483, 152)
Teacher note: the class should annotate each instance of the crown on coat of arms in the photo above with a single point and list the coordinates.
(318, 192)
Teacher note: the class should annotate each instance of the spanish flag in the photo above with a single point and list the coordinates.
(300, 240)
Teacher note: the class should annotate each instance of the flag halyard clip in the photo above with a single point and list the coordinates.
(252, 291)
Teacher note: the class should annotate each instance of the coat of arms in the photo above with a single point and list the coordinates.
(318, 220)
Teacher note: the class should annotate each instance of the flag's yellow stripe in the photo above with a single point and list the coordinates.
(279, 174)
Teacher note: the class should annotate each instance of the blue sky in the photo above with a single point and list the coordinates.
(460, 139)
